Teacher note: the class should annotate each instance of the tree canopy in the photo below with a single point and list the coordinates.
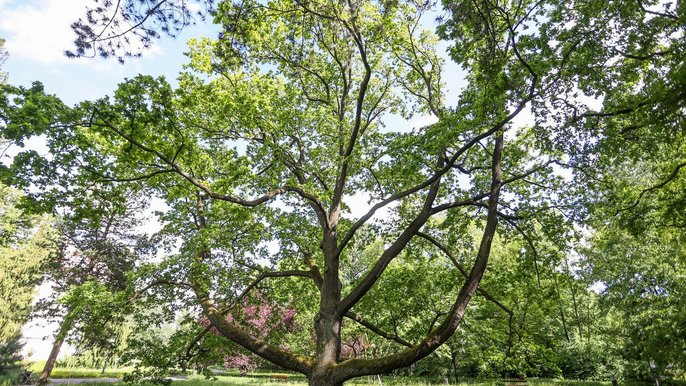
(297, 113)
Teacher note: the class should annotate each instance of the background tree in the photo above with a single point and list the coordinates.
(90, 276)
(632, 169)
(646, 291)
(26, 242)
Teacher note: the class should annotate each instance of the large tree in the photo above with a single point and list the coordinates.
(279, 127)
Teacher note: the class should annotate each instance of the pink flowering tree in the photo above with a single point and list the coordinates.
(259, 317)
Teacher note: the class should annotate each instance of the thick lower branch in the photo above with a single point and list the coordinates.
(283, 358)
(241, 296)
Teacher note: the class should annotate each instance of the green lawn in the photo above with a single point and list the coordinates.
(79, 372)
(232, 378)
(265, 379)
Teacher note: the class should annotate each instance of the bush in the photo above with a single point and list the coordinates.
(589, 360)
(10, 354)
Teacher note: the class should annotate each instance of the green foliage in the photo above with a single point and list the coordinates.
(26, 242)
(646, 291)
(10, 353)
(590, 360)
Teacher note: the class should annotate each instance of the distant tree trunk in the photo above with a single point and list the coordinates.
(560, 306)
(104, 366)
(572, 290)
(65, 326)
(453, 357)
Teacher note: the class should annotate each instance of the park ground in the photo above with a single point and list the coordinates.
(96, 377)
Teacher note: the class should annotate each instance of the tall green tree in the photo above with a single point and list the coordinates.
(99, 245)
(227, 157)
(642, 276)
(26, 242)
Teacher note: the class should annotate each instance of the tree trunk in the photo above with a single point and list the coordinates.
(328, 352)
(560, 306)
(328, 321)
(322, 381)
(453, 356)
(65, 326)
(104, 366)
(572, 290)
(328, 329)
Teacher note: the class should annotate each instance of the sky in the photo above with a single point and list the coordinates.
(37, 32)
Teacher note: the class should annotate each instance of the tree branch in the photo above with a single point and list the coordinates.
(463, 271)
(371, 327)
(666, 181)
(236, 200)
(360, 367)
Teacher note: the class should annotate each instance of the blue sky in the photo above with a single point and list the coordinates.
(37, 33)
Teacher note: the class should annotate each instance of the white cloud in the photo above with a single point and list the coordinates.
(423, 121)
(39, 30)
(361, 202)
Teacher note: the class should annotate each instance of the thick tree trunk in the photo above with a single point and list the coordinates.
(322, 381)
(65, 326)
(327, 323)
(328, 329)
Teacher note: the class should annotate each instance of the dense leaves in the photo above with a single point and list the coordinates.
(26, 243)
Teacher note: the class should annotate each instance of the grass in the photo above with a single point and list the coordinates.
(79, 372)
(9, 378)
(264, 378)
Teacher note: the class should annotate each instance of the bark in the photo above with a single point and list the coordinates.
(328, 321)
(65, 326)
(322, 381)
(453, 357)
